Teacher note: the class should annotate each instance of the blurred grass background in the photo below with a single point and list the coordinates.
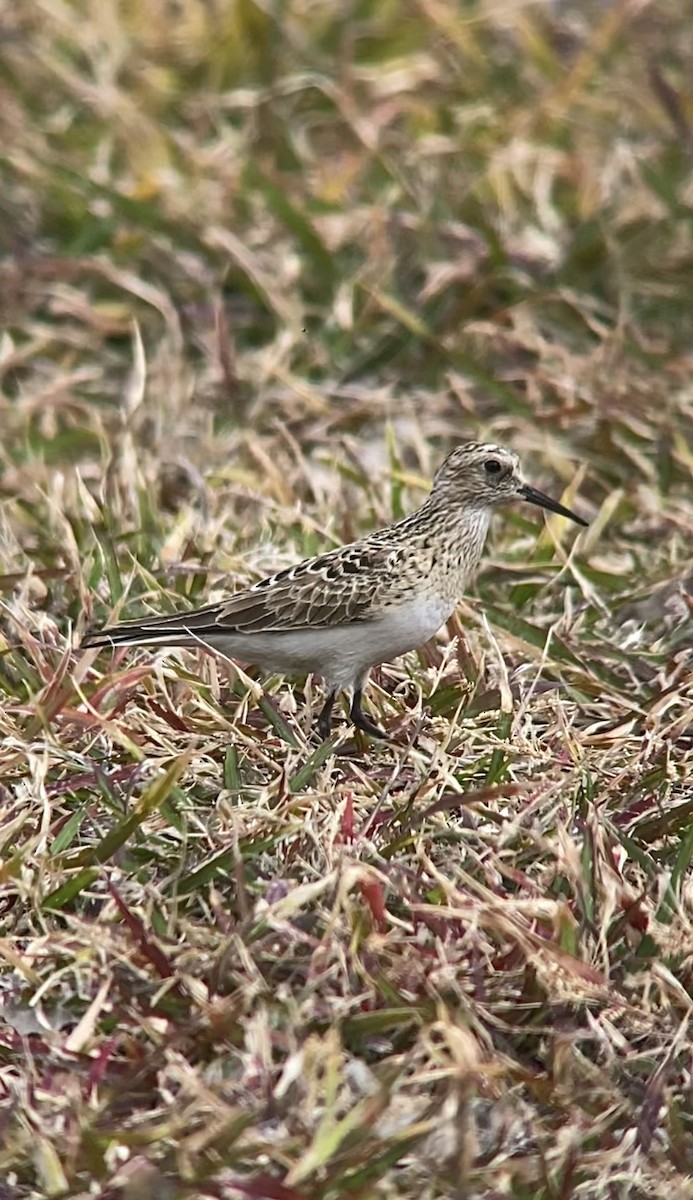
(262, 266)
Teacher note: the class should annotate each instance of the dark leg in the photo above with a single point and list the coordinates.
(325, 718)
(359, 718)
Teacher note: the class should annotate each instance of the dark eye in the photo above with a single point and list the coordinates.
(492, 466)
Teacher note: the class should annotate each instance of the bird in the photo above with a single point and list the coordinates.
(341, 613)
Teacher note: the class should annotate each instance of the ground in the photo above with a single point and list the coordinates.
(262, 267)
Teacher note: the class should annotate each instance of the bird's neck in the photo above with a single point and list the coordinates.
(456, 534)
(461, 521)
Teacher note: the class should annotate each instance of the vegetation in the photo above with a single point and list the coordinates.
(263, 266)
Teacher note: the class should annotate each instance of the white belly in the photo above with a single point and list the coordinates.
(344, 653)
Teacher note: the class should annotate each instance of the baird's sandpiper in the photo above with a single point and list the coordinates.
(343, 612)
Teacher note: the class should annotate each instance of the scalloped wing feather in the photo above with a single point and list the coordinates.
(333, 589)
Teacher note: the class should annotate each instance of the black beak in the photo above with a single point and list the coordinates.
(536, 497)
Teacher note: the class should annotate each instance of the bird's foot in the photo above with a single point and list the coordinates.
(361, 721)
(368, 727)
(324, 723)
(357, 715)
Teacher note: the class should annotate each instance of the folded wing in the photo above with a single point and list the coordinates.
(338, 588)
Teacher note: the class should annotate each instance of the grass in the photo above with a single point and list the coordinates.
(262, 267)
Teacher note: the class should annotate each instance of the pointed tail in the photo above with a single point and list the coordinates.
(177, 629)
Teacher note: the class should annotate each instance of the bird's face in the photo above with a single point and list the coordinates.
(486, 476)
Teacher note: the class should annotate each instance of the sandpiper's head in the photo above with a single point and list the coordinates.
(481, 475)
